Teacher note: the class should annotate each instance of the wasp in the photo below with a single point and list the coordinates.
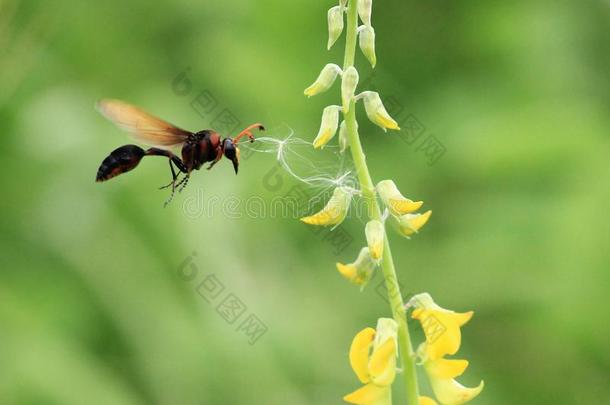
(197, 148)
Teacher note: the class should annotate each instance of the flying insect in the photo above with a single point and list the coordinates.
(197, 148)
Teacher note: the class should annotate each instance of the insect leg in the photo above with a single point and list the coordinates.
(183, 183)
(172, 159)
(162, 152)
(174, 176)
(219, 153)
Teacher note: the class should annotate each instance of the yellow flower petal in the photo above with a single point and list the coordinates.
(370, 394)
(382, 366)
(442, 330)
(441, 326)
(335, 210)
(447, 390)
(359, 354)
(412, 223)
(323, 137)
(451, 392)
(348, 271)
(314, 89)
(446, 368)
(386, 122)
(426, 401)
(404, 206)
(361, 271)
(463, 318)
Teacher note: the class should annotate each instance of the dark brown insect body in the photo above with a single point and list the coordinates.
(198, 148)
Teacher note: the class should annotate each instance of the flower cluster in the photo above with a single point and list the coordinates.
(374, 352)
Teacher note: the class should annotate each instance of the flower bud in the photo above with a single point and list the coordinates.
(328, 127)
(394, 200)
(365, 9)
(367, 43)
(411, 223)
(325, 80)
(343, 141)
(361, 271)
(375, 237)
(348, 87)
(376, 111)
(335, 211)
(335, 24)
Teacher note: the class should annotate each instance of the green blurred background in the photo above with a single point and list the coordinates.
(94, 308)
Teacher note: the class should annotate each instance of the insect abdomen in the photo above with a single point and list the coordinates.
(119, 161)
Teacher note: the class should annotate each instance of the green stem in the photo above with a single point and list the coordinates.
(374, 212)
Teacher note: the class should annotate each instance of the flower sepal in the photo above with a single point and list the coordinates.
(335, 24)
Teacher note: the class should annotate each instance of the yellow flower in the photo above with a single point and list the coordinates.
(328, 127)
(411, 223)
(376, 111)
(335, 211)
(372, 356)
(447, 390)
(396, 203)
(441, 326)
(375, 238)
(361, 271)
(325, 80)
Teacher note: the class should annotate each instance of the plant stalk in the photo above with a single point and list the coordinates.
(374, 212)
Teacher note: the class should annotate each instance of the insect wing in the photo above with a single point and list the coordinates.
(142, 126)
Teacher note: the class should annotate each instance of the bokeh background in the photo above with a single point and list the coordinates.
(98, 282)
